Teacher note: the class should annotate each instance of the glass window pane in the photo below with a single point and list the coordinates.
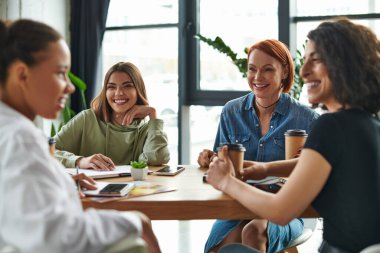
(157, 60)
(204, 122)
(240, 25)
(336, 7)
(304, 27)
(302, 30)
(142, 12)
(156, 50)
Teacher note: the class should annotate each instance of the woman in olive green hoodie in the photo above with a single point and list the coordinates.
(119, 128)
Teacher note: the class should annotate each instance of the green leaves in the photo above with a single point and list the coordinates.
(77, 82)
(296, 90)
(138, 165)
(81, 86)
(68, 113)
(218, 44)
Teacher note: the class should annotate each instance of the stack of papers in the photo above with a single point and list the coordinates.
(119, 171)
(141, 188)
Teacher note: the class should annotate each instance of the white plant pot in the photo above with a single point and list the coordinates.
(139, 174)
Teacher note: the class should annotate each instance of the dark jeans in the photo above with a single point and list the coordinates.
(327, 248)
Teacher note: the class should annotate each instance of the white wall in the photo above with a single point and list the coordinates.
(53, 12)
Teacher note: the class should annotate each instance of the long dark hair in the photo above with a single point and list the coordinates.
(351, 53)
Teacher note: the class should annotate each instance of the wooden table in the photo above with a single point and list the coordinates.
(192, 200)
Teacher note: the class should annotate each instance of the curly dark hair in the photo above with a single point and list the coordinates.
(351, 53)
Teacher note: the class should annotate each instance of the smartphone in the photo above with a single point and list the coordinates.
(169, 170)
(116, 189)
(270, 185)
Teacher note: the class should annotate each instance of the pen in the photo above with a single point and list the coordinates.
(78, 184)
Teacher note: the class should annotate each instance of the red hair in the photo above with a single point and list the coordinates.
(280, 52)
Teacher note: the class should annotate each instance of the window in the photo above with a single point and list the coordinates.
(309, 14)
(242, 24)
(129, 13)
(336, 7)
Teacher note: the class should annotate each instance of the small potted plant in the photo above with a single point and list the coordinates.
(139, 170)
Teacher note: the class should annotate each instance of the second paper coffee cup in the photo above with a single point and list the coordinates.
(236, 153)
(294, 141)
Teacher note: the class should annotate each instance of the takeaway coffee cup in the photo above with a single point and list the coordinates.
(236, 152)
(294, 141)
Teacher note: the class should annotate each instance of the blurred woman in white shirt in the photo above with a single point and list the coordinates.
(40, 209)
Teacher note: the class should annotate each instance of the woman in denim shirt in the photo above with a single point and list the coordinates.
(259, 120)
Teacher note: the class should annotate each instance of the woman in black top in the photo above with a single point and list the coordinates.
(338, 171)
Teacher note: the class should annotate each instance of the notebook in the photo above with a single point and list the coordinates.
(120, 171)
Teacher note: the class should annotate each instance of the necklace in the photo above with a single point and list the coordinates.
(117, 118)
(266, 107)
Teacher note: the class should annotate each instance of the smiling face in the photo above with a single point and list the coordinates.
(316, 78)
(46, 85)
(121, 93)
(264, 75)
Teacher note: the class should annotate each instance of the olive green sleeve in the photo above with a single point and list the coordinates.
(155, 150)
(68, 140)
(68, 159)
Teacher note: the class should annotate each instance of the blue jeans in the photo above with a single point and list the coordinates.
(278, 236)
